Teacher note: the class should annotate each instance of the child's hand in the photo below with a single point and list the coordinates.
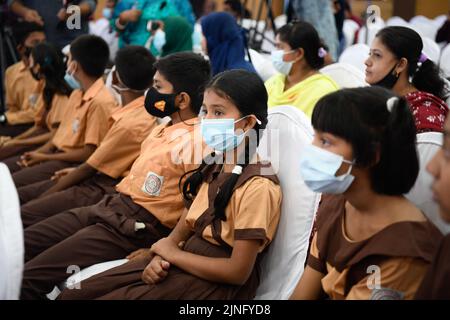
(140, 253)
(61, 173)
(166, 248)
(155, 271)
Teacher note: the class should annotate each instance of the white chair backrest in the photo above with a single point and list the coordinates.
(428, 144)
(444, 62)
(263, 65)
(356, 55)
(11, 238)
(431, 49)
(345, 75)
(287, 133)
(349, 29)
(440, 20)
(397, 21)
(419, 19)
(373, 26)
(280, 21)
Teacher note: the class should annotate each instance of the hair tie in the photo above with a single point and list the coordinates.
(423, 57)
(390, 103)
(237, 170)
(322, 52)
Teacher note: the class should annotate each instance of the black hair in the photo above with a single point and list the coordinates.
(248, 93)
(361, 117)
(237, 7)
(135, 67)
(187, 72)
(52, 67)
(406, 43)
(22, 30)
(301, 34)
(92, 53)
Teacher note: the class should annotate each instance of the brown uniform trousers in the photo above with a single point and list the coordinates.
(83, 237)
(87, 193)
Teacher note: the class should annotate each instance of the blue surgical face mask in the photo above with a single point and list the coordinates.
(281, 66)
(71, 81)
(318, 168)
(219, 134)
(107, 13)
(159, 40)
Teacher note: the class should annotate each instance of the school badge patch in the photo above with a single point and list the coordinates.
(75, 125)
(152, 184)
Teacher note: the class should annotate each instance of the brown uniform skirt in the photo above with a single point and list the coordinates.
(124, 282)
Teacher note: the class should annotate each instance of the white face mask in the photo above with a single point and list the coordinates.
(318, 168)
(281, 66)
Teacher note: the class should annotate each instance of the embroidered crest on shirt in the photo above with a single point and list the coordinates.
(75, 125)
(387, 294)
(32, 99)
(153, 183)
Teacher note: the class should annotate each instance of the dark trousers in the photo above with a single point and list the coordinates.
(83, 237)
(85, 194)
(39, 172)
(14, 130)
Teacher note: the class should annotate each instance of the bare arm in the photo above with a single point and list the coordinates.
(42, 138)
(309, 287)
(81, 173)
(26, 13)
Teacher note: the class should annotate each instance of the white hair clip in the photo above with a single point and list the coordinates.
(391, 102)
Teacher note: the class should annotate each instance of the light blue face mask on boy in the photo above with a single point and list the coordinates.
(71, 81)
(318, 168)
(219, 133)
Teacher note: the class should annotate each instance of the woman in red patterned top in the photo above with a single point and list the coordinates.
(396, 62)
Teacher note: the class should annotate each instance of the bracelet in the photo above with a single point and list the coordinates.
(119, 25)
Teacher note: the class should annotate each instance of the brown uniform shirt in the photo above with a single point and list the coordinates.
(436, 283)
(388, 265)
(166, 155)
(22, 92)
(86, 119)
(252, 213)
(51, 118)
(122, 144)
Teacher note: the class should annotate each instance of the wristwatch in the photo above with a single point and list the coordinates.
(2, 118)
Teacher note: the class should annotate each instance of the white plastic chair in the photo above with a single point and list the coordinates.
(428, 144)
(374, 27)
(356, 55)
(397, 21)
(287, 133)
(444, 62)
(350, 27)
(11, 238)
(262, 64)
(419, 19)
(431, 49)
(345, 75)
(440, 20)
(424, 26)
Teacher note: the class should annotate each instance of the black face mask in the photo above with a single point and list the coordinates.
(389, 80)
(160, 104)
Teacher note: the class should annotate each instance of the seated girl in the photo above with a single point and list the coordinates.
(396, 62)
(214, 250)
(298, 59)
(371, 242)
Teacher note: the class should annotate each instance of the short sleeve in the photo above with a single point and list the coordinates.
(394, 279)
(97, 124)
(314, 260)
(258, 207)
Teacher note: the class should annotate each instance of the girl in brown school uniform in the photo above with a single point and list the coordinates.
(214, 250)
(436, 283)
(371, 242)
(46, 66)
